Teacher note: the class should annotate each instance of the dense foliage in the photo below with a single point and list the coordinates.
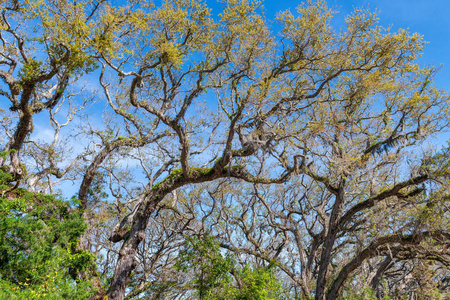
(212, 273)
(39, 237)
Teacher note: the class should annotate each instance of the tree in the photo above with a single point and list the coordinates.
(36, 70)
(200, 99)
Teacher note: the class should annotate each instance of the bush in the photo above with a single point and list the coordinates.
(38, 247)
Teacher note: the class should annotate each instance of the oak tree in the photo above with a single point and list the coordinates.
(306, 139)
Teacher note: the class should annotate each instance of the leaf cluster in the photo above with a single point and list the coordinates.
(217, 276)
(38, 246)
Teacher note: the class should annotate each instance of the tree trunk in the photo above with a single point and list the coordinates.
(376, 280)
(329, 243)
(24, 127)
(126, 261)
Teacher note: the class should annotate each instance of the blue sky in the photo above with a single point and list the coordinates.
(429, 18)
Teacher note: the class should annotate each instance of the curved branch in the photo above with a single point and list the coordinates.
(393, 191)
(370, 251)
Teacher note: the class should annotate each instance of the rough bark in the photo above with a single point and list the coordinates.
(328, 244)
(24, 127)
(376, 280)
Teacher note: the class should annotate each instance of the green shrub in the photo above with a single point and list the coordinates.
(38, 241)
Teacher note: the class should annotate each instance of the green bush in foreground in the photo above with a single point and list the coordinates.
(218, 277)
(38, 246)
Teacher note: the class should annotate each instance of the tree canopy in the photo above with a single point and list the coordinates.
(219, 155)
